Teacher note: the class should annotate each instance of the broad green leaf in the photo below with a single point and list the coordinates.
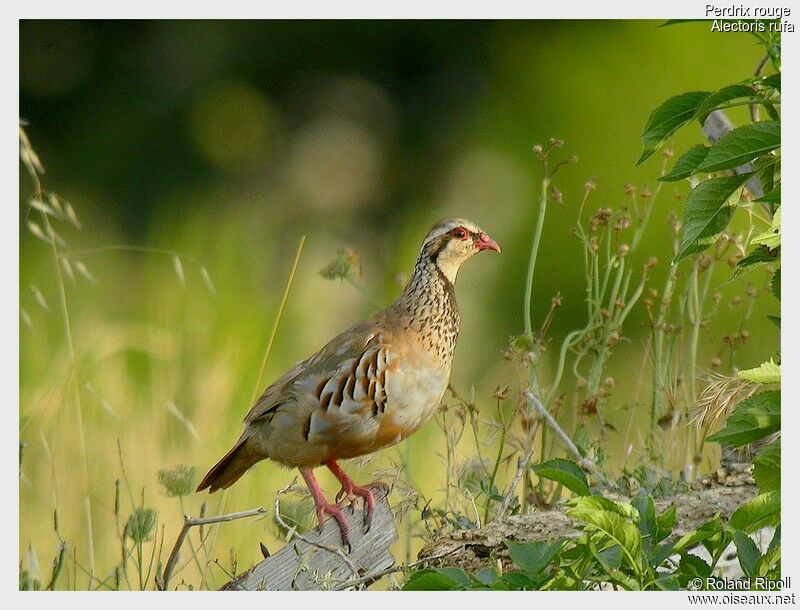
(767, 467)
(709, 208)
(776, 320)
(732, 93)
(752, 419)
(742, 145)
(773, 80)
(532, 557)
(771, 238)
(667, 119)
(756, 257)
(666, 521)
(747, 552)
(487, 576)
(761, 511)
(666, 582)
(584, 505)
(647, 523)
(690, 567)
(775, 284)
(562, 582)
(662, 552)
(617, 528)
(769, 564)
(704, 532)
(611, 557)
(429, 580)
(687, 164)
(457, 575)
(774, 196)
(766, 372)
(514, 581)
(568, 473)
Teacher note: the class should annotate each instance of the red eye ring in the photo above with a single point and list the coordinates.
(459, 233)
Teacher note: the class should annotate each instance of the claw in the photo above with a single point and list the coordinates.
(334, 511)
(350, 490)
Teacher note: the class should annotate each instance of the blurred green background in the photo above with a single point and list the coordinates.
(225, 141)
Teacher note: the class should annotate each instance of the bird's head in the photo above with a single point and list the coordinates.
(452, 241)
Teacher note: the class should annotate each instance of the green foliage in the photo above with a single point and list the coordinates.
(179, 481)
(568, 473)
(762, 511)
(667, 119)
(742, 145)
(140, 525)
(751, 420)
(709, 208)
(533, 557)
(631, 546)
(767, 467)
(712, 202)
(766, 372)
(687, 164)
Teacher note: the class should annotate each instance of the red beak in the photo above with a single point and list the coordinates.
(484, 242)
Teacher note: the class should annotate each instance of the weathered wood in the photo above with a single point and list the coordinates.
(302, 566)
(475, 549)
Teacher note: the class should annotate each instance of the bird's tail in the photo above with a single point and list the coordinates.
(232, 466)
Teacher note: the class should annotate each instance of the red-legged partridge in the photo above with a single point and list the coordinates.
(370, 387)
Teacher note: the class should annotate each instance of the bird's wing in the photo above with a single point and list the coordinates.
(346, 369)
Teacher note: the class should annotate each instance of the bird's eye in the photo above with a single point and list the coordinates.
(459, 233)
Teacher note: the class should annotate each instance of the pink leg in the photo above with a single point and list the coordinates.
(323, 508)
(350, 489)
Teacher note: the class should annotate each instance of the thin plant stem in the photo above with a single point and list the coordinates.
(497, 460)
(62, 293)
(277, 320)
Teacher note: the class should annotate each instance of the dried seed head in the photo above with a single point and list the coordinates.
(630, 190)
(609, 381)
(501, 393)
(605, 314)
(736, 300)
(346, 264)
(590, 185)
(716, 362)
(557, 196)
(745, 335)
(556, 143)
(593, 244)
(573, 159)
(716, 297)
(646, 193)
(537, 148)
(619, 304)
(622, 223)
(651, 262)
(751, 290)
(623, 250)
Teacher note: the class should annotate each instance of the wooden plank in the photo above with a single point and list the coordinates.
(302, 566)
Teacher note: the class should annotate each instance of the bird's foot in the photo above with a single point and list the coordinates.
(350, 490)
(325, 510)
